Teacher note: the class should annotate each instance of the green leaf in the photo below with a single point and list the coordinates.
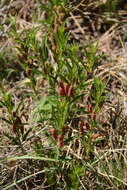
(98, 90)
(2, 104)
(44, 107)
(6, 120)
(32, 158)
(26, 134)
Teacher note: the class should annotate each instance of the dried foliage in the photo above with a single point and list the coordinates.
(63, 105)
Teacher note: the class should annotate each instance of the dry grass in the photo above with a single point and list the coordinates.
(86, 21)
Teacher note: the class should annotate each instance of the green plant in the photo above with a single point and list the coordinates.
(111, 5)
(70, 147)
(13, 119)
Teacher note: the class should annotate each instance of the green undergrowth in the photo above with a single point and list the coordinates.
(72, 149)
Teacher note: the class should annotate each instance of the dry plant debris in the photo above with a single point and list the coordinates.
(63, 94)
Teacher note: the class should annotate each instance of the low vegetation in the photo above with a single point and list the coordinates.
(63, 95)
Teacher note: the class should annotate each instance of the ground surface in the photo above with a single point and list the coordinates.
(101, 22)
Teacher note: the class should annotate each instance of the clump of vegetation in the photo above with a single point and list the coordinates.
(62, 128)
